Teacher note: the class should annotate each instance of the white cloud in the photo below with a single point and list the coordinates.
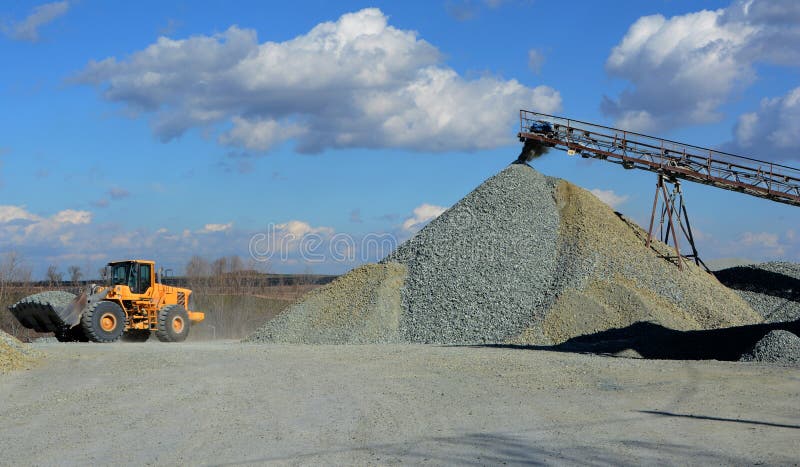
(212, 228)
(117, 193)
(773, 131)
(259, 134)
(28, 29)
(609, 197)
(356, 82)
(681, 69)
(19, 226)
(423, 214)
(71, 216)
(763, 244)
(764, 239)
(298, 229)
(15, 213)
(535, 60)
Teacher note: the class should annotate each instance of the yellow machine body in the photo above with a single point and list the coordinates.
(135, 286)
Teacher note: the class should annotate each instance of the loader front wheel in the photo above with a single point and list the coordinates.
(173, 324)
(104, 321)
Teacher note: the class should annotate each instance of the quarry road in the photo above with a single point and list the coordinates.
(225, 403)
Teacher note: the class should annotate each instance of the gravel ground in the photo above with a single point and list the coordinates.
(230, 404)
(781, 347)
(772, 289)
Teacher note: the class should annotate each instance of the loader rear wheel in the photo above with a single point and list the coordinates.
(136, 335)
(103, 321)
(173, 324)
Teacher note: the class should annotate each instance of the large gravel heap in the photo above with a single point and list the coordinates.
(772, 289)
(524, 258)
(779, 346)
(14, 354)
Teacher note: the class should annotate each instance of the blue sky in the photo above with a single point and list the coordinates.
(168, 129)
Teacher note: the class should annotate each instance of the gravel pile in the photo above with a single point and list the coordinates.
(772, 289)
(362, 306)
(56, 298)
(484, 269)
(780, 347)
(525, 259)
(14, 354)
(607, 278)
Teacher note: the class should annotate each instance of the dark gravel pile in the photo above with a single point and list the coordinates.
(772, 289)
(780, 347)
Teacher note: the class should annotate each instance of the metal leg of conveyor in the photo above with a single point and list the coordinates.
(672, 211)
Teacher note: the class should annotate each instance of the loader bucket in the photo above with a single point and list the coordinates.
(49, 311)
(52, 311)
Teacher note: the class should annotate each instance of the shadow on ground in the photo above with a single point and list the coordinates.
(654, 341)
(720, 419)
(507, 449)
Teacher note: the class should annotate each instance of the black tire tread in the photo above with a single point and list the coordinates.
(163, 333)
(88, 326)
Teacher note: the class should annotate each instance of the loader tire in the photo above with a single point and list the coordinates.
(173, 324)
(136, 335)
(103, 321)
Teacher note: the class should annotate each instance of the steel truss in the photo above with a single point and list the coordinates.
(672, 161)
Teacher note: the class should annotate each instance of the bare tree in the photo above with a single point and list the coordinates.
(219, 267)
(197, 271)
(54, 276)
(75, 274)
(13, 273)
(103, 272)
(235, 264)
(197, 267)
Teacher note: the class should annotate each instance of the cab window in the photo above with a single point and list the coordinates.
(119, 274)
(144, 278)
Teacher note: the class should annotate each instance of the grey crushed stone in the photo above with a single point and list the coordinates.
(772, 288)
(524, 259)
(779, 347)
(56, 298)
(483, 270)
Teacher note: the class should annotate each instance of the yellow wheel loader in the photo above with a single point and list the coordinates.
(132, 305)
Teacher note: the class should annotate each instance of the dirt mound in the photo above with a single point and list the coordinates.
(360, 307)
(525, 259)
(14, 354)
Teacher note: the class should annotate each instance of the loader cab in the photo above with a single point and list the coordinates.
(137, 275)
